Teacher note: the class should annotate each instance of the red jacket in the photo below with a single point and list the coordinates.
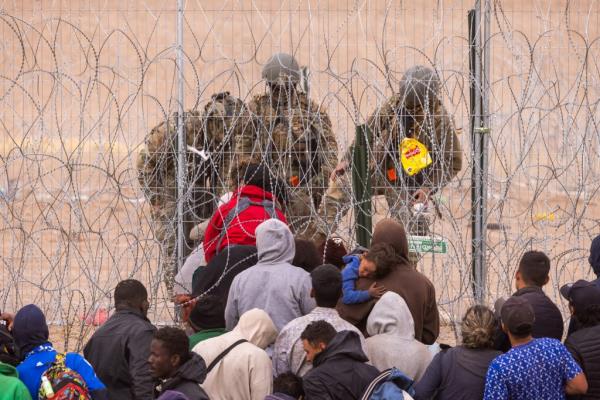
(242, 227)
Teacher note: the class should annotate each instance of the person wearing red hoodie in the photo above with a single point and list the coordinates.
(258, 199)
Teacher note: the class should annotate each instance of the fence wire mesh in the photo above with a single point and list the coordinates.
(84, 83)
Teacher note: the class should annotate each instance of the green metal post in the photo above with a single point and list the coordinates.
(361, 185)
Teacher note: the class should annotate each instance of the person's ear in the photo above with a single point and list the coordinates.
(504, 329)
(571, 309)
(175, 360)
(312, 293)
(518, 275)
(145, 306)
(322, 346)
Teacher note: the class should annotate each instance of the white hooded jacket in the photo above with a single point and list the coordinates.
(274, 284)
(245, 373)
(392, 340)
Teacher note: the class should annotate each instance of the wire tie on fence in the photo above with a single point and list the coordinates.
(483, 130)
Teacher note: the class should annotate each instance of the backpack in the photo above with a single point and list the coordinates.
(242, 205)
(391, 384)
(9, 353)
(66, 383)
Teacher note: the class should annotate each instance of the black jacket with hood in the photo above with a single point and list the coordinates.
(548, 319)
(594, 258)
(340, 371)
(187, 379)
(456, 374)
(584, 345)
(119, 352)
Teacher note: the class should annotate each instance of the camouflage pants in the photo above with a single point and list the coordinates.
(301, 211)
(165, 230)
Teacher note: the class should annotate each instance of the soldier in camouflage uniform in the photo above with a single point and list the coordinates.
(294, 136)
(209, 140)
(416, 111)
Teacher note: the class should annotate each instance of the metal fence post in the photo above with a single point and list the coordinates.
(181, 139)
(361, 185)
(479, 127)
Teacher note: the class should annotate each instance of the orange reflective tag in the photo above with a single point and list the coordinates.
(391, 174)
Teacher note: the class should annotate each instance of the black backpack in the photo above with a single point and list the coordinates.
(9, 352)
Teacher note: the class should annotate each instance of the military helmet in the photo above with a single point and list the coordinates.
(419, 87)
(281, 68)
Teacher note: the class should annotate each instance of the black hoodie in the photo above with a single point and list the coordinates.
(187, 379)
(594, 259)
(456, 374)
(340, 371)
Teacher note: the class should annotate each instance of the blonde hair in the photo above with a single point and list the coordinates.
(478, 328)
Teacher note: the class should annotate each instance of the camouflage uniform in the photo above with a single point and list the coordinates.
(407, 114)
(211, 132)
(294, 136)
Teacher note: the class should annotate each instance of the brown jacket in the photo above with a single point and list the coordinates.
(404, 279)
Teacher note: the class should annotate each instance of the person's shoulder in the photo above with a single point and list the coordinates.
(74, 359)
(415, 275)
(584, 334)
(78, 363)
(295, 271)
(547, 342)
(350, 268)
(502, 360)
(293, 324)
(135, 321)
(245, 274)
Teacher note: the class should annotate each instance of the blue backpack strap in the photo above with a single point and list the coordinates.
(390, 382)
(378, 379)
(242, 205)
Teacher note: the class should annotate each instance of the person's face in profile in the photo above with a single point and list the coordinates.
(162, 363)
(367, 268)
(312, 350)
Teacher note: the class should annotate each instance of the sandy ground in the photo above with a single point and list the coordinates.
(83, 82)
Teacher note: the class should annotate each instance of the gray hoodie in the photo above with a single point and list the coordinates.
(392, 340)
(274, 284)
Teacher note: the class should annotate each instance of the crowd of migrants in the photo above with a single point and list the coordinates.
(271, 312)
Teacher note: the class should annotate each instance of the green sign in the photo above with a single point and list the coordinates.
(427, 244)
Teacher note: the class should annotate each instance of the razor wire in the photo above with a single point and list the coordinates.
(82, 87)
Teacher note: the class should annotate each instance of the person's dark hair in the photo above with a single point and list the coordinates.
(130, 293)
(384, 257)
(588, 317)
(175, 341)
(333, 251)
(478, 327)
(307, 256)
(288, 383)
(534, 268)
(318, 332)
(327, 285)
(260, 176)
